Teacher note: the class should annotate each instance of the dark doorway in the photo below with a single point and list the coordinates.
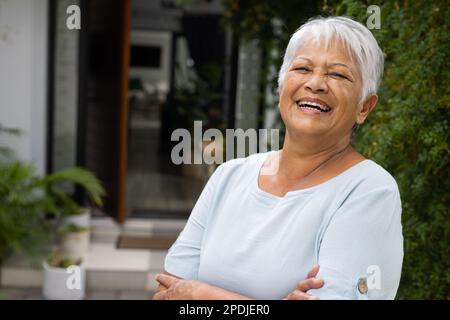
(167, 91)
(105, 56)
(88, 87)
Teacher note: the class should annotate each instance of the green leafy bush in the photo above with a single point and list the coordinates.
(23, 226)
(26, 201)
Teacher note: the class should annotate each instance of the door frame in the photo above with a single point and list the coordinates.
(83, 60)
(123, 135)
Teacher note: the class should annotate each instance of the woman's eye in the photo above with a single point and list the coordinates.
(301, 69)
(338, 75)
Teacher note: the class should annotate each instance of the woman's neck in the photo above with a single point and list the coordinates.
(298, 161)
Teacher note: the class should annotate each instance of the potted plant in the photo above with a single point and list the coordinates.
(32, 208)
(72, 238)
(24, 229)
(75, 240)
(64, 277)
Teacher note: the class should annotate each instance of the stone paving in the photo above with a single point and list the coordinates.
(10, 293)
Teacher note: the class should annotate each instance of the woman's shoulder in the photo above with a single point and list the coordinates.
(372, 175)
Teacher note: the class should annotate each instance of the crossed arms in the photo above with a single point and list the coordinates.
(172, 287)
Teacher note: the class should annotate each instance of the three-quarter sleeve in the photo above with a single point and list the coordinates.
(361, 250)
(183, 256)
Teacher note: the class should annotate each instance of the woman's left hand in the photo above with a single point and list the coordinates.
(311, 282)
(177, 289)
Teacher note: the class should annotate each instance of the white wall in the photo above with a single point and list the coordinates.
(23, 77)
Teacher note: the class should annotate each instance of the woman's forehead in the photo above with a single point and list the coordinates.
(314, 49)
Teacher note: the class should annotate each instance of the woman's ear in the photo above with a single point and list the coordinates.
(366, 107)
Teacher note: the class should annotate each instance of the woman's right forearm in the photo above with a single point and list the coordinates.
(208, 292)
(204, 291)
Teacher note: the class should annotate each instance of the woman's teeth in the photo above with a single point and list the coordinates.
(314, 105)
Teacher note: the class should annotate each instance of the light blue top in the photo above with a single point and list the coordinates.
(243, 239)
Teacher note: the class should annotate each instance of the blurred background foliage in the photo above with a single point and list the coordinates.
(408, 132)
(32, 205)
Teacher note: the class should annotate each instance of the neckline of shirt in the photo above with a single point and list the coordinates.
(258, 191)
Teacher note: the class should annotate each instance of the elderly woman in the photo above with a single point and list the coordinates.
(315, 220)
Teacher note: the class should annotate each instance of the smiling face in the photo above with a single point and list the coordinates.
(321, 91)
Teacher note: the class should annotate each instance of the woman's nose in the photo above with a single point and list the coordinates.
(317, 84)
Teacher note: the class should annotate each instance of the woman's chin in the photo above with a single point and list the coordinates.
(310, 123)
(311, 117)
(307, 130)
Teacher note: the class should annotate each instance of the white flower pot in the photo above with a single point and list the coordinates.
(64, 284)
(83, 219)
(76, 244)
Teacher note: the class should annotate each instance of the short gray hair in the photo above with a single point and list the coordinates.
(358, 40)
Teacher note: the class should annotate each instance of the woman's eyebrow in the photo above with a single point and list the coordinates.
(303, 58)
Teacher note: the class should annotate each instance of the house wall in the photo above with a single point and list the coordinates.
(23, 77)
